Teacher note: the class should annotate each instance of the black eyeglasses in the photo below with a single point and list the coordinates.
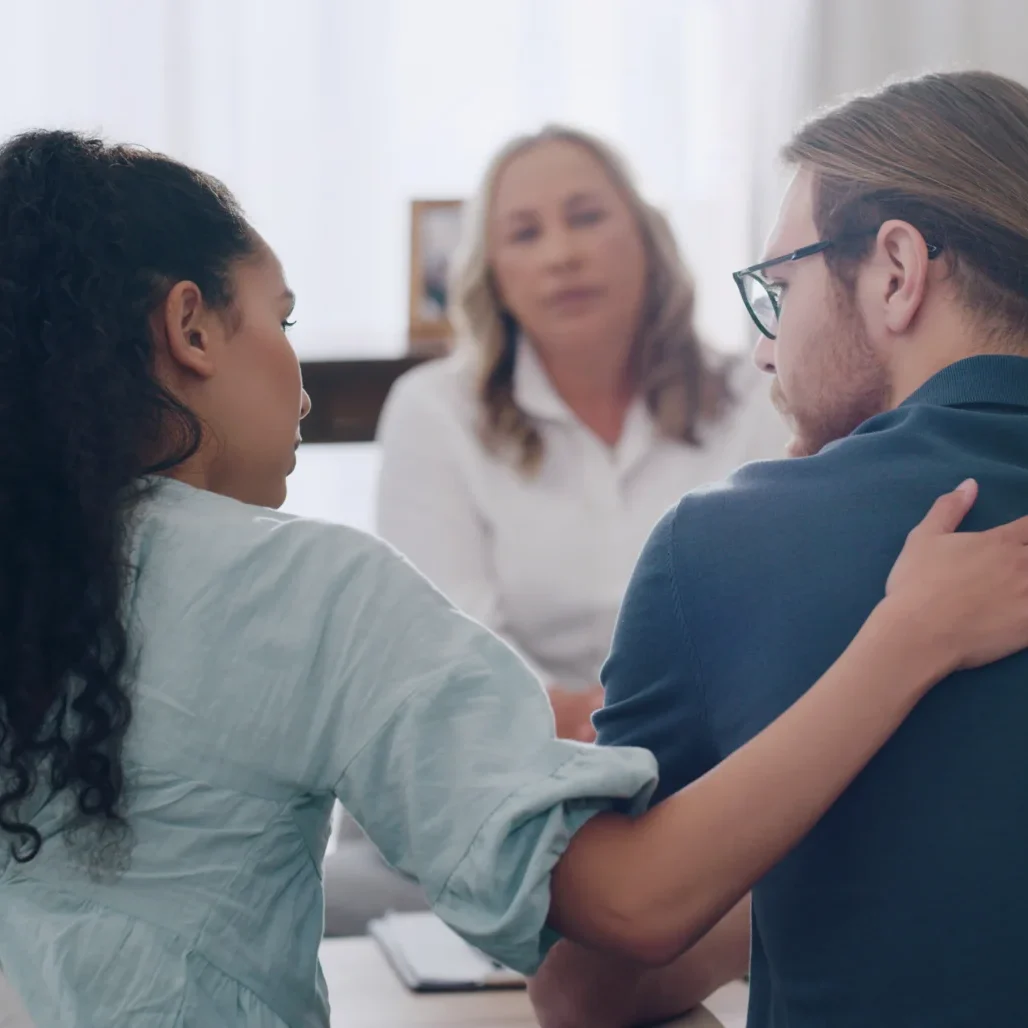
(763, 299)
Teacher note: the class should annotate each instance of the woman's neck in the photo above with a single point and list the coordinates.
(595, 390)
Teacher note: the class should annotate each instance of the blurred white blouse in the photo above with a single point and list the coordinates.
(544, 559)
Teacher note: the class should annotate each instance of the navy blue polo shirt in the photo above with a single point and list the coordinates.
(907, 905)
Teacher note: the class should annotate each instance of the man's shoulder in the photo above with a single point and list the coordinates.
(881, 478)
(757, 494)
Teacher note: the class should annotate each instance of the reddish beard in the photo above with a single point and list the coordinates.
(795, 447)
(844, 382)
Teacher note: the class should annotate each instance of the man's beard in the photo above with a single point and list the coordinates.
(794, 448)
(848, 385)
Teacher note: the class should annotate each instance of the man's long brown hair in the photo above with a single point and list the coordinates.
(947, 153)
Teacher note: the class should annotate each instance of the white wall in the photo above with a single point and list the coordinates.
(861, 43)
(335, 482)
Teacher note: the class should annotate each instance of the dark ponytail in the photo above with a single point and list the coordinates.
(92, 237)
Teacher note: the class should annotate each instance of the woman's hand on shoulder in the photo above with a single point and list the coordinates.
(965, 593)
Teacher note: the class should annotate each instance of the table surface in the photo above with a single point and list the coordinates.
(365, 993)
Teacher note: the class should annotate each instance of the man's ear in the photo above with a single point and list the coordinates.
(902, 258)
(187, 325)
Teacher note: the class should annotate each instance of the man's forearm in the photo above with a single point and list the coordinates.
(577, 987)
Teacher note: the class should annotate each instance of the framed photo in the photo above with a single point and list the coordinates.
(435, 233)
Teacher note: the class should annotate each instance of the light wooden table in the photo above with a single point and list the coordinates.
(365, 993)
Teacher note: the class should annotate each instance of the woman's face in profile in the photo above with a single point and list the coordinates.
(265, 380)
(565, 249)
(241, 377)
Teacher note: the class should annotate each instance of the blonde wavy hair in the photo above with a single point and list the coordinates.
(680, 381)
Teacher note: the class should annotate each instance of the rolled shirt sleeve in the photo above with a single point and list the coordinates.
(440, 742)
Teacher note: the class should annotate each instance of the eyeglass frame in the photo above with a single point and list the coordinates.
(753, 272)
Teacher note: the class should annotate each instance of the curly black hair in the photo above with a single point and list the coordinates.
(92, 238)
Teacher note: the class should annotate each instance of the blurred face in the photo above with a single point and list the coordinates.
(829, 377)
(565, 250)
(238, 372)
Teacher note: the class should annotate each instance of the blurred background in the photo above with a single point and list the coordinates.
(328, 118)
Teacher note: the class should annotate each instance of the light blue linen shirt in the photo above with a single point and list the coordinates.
(282, 664)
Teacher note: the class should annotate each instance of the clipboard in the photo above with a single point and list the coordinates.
(428, 956)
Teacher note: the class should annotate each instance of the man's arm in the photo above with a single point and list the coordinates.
(579, 988)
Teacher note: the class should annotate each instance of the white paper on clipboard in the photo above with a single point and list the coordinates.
(428, 956)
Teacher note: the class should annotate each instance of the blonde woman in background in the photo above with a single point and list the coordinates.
(523, 474)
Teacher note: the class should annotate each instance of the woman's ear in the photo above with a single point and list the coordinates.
(188, 326)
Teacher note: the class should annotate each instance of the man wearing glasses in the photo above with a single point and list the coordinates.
(892, 309)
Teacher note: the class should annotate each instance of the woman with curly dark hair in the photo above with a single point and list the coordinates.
(188, 680)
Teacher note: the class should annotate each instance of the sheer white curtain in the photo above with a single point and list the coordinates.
(327, 116)
(861, 43)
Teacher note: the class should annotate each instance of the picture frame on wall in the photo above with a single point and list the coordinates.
(435, 234)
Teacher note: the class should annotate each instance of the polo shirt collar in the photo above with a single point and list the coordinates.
(535, 394)
(997, 379)
(533, 391)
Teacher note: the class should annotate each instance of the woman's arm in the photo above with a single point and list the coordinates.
(578, 986)
(705, 846)
(440, 743)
